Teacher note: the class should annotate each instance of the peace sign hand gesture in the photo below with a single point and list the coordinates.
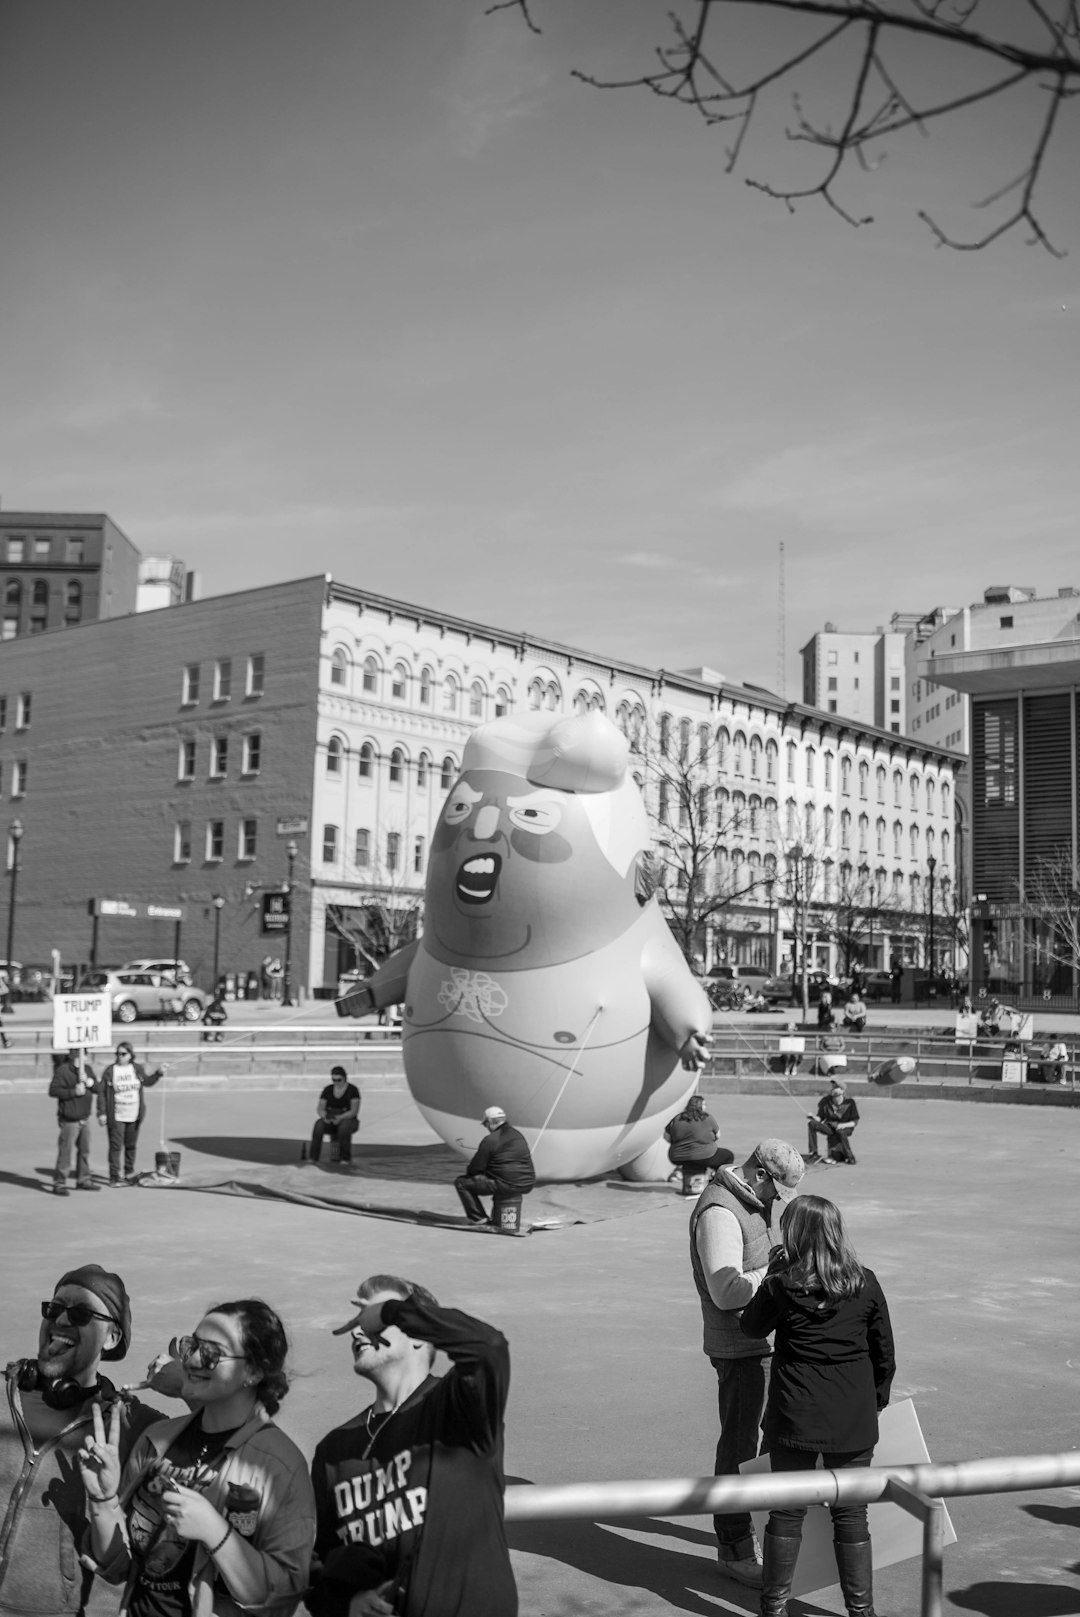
(99, 1457)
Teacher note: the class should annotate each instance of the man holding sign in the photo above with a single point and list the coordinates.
(73, 1085)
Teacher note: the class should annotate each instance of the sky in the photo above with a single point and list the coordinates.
(382, 290)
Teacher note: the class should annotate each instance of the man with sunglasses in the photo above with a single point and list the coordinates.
(47, 1414)
(730, 1244)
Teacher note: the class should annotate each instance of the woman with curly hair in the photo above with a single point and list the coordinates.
(213, 1512)
(832, 1372)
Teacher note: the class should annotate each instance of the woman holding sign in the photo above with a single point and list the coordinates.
(121, 1106)
(832, 1372)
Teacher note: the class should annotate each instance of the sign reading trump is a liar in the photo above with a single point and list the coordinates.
(82, 1022)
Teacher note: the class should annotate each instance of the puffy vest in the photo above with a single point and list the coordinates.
(722, 1337)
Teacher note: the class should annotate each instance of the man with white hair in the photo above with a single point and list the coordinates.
(501, 1166)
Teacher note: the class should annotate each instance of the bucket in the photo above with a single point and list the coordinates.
(694, 1179)
(508, 1215)
(167, 1163)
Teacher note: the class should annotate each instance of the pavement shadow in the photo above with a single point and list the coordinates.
(416, 1164)
(25, 1181)
(1059, 1515)
(1010, 1599)
(684, 1581)
(240, 1147)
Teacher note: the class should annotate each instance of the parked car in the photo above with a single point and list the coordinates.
(788, 990)
(165, 968)
(877, 985)
(145, 993)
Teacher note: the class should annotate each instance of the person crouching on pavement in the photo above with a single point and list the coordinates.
(121, 1106)
(502, 1166)
(409, 1493)
(339, 1116)
(836, 1118)
(43, 1420)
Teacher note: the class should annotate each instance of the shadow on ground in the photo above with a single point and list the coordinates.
(419, 1164)
(1017, 1599)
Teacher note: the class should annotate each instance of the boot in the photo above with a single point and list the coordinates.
(855, 1565)
(779, 1557)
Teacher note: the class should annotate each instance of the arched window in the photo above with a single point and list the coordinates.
(916, 891)
(370, 677)
(622, 719)
(685, 731)
(808, 822)
(864, 834)
(637, 728)
(930, 795)
(447, 773)
(502, 702)
(723, 746)
(914, 791)
(829, 818)
(399, 682)
(339, 667)
(334, 752)
(367, 761)
(755, 815)
(897, 788)
(451, 690)
(772, 819)
(864, 777)
(703, 808)
(770, 761)
(898, 885)
(665, 734)
(740, 753)
(930, 849)
(704, 742)
(423, 770)
(770, 867)
(755, 757)
(536, 695)
(427, 682)
(73, 606)
(811, 759)
(845, 775)
(738, 812)
(581, 703)
(880, 833)
(551, 697)
(881, 783)
(40, 594)
(845, 829)
(945, 797)
(663, 804)
(828, 762)
(897, 839)
(476, 700)
(792, 818)
(913, 836)
(397, 767)
(791, 751)
(13, 593)
(828, 877)
(946, 845)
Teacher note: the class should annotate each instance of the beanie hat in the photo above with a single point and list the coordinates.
(110, 1290)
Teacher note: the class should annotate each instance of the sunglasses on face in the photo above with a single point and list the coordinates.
(79, 1314)
(210, 1353)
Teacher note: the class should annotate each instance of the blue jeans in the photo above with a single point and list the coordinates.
(849, 1521)
(742, 1386)
(74, 1136)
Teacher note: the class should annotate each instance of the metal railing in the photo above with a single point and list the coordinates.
(748, 1052)
(918, 1489)
(293, 1047)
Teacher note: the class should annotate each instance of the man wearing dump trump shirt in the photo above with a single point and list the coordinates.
(409, 1494)
(45, 1416)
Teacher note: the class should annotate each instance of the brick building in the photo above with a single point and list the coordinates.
(170, 757)
(60, 569)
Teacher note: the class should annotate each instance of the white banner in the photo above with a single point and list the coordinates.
(82, 1021)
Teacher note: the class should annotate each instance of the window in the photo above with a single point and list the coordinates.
(930, 797)
(855, 684)
(418, 856)
(864, 777)
(828, 771)
(73, 603)
(894, 705)
(502, 702)
(367, 761)
(913, 837)
(895, 727)
(19, 772)
(427, 680)
(363, 849)
(845, 776)
(447, 773)
(256, 674)
(856, 658)
(189, 685)
(22, 711)
(329, 844)
(663, 806)
(810, 757)
(685, 729)
(339, 667)
(182, 842)
(452, 690)
(770, 760)
(185, 768)
(832, 705)
(755, 758)
(723, 742)
(914, 784)
(944, 786)
(665, 734)
(39, 594)
(740, 753)
(75, 552)
(1006, 623)
(808, 822)
(3, 714)
(831, 659)
(42, 549)
(399, 682)
(423, 771)
(930, 848)
(845, 829)
(476, 700)
(827, 830)
(252, 756)
(334, 752)
(219, 757)
(791, 750)
(397, 767)
(897, 839)
(249, 830)
(215, 840)
(791, 820)
(536, 695)
(945, 846)
(897, 788)
(370, 677)
(864, 834)
(894, 683)
(16, 550)
(832, 683)
(393, 849)
(222, 679)
(880, 837)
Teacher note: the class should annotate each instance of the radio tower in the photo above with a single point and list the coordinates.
(781, 632)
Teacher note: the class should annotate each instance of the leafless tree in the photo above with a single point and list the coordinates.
(385, 913)
(1051, 894)
(884, 87)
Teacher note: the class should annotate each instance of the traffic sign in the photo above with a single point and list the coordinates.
(82, 1021)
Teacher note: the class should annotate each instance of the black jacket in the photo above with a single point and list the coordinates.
(833, 1364)
(504, 1156)
(72, 1108)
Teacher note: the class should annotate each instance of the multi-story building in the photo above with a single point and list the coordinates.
(199, 752)
(62, 568)
(860, 676)
(165, 581)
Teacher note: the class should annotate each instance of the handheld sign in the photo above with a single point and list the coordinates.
(82, 1022)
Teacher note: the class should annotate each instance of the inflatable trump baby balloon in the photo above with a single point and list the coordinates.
(541, 984)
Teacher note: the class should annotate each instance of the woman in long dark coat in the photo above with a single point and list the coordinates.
(832, 1372)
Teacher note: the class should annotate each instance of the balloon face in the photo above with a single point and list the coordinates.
(517, 877)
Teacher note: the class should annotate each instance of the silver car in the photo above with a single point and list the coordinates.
(146, 993)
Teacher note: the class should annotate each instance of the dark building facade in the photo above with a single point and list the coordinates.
(62, 568)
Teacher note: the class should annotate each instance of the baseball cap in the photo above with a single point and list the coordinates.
(494, 1114)
(109, 1289)
(783, 1164)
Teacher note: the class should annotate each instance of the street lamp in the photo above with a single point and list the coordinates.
(770, 883)
(931, 865)
(15, 837)
(219, 904)
(291, 851)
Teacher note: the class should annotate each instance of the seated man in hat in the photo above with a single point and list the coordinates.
(836, 1119)
(46, 1420)
(501, 1166)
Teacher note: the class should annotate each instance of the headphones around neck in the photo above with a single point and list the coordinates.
(63, 1393)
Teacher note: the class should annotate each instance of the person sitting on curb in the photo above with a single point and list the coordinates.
(212, 1018)
(339, 1115)
(836, 1119)
(692, 1137)
(855, 1014)
(501, 1166)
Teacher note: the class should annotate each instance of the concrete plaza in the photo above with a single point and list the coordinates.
(968, 1213)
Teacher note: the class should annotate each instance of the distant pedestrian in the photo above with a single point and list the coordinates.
(72, 1087)
(121, 1107)
(896, 979)
(212, 1018)
(338, 1116)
